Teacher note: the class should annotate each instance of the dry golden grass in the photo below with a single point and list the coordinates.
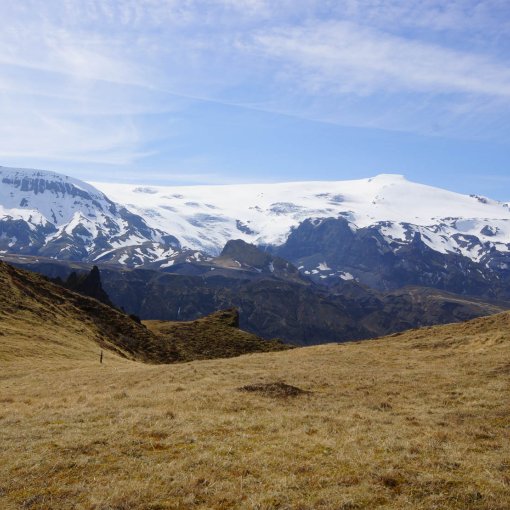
(214, 336)
(415, 421)
(39, 320)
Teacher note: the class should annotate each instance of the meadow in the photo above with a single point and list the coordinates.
(418, 420)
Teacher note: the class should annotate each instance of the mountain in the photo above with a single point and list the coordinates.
(329, 249)
(52, 215)
(385, 231)
(206, 217)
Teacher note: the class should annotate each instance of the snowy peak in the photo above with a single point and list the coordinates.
(56, 197)
(44, 197)
(37, 181)
(45, 213)
(206, 217)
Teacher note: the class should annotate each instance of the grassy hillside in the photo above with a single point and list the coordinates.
(418, 420)
(41, 320)
(215, 336)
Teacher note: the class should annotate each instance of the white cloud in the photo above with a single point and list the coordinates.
(78, 77)
(340, 57)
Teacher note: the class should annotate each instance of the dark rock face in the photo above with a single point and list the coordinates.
(330, 238)
(250, 258)
(299, 313)
(91, 286)
(88, 284)
(246, 253)
(375, 261)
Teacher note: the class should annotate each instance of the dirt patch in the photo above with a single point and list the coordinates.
(502, 369)
(274, 390)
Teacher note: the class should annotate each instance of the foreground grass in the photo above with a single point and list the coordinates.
(419, 420)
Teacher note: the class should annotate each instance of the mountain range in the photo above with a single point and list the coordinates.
(384, 231)
(308, 262)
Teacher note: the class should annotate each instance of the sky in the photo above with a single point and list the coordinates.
(232, 91)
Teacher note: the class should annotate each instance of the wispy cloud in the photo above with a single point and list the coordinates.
(341, 57)
(90, 79)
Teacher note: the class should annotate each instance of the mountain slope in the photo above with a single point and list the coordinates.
(41, 319)
(44, 320)
(48, 214)
(206, 217)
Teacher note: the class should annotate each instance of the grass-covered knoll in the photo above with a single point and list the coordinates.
(39, 319)
(419, 420)
(215, 336)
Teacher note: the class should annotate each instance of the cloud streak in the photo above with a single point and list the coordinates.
(105, 80)
(341, 57)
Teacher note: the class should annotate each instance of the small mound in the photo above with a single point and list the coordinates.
(275, 389)
(214, 336)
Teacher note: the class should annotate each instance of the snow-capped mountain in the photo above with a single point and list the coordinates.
(206, 217)
(48, 214)
(383, 231)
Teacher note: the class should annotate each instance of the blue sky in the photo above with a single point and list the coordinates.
(195, 91)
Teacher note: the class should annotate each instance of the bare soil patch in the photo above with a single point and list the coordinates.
(274, 389)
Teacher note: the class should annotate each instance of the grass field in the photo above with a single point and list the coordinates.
(416, 421)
